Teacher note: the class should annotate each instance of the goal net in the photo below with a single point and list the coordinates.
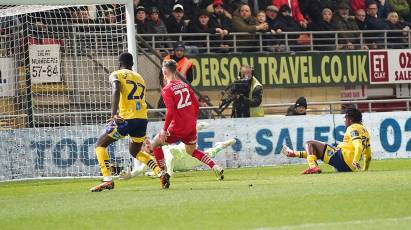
(54, 90)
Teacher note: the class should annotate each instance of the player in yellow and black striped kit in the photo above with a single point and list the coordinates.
(346, 156)
(128, 118)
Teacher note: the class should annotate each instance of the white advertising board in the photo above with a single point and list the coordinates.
(69, 151)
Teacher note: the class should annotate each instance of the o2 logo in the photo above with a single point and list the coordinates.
(390, 128)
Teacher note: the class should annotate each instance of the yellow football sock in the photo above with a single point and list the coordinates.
(103, 161)
(312, 161)
(301, 154)
(146, 159)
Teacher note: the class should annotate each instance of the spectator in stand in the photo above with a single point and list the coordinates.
(373, 22)
(141, 21)
(360, 19)
(243, 21)
(382, 5)
(175, 23)
(194, 7)
(343, 22)
(275, 24)
(288, 21)
(261, 19)
(236, 4)
(221, 21)
(81, 15)
(155, 23)
(165, 7)
(324, 41)
(295, 11)
(397, 40)
(401, 7)
(299, 108)
(312, 9)
(224, 6)
(202, 24)
(105, 13)
(219, 18)
(255, 5)
(276, 27)
(157, 26)
(267, 39)
(109, 17)
(295, 41)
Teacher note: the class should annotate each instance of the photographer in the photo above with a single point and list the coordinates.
(248, 93)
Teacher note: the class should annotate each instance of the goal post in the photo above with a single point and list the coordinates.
(55, 95)
(129, 6)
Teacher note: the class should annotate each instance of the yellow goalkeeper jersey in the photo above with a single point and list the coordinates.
(356, 145)
(132, 102)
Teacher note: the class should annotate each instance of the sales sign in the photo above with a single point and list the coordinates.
(390, 66)
(44, 63)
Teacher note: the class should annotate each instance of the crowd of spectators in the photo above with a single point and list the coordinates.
(273, 17)
(219, 18)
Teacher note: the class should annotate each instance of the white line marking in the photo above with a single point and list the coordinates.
(330, 224)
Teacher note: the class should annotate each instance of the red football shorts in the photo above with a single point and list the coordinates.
(189, 138)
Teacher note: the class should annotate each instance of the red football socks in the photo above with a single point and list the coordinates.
(159, 155)
(203, 158)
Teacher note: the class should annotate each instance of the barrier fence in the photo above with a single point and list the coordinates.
(69, 151)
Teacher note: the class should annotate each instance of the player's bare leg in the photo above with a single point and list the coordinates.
(314, 151)
(214, 151)
(158, 142)
(204, 158)
(103, 161)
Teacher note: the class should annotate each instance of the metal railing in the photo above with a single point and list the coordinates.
(284, 42)
(331, 107)
(234, 42)
(328, 104)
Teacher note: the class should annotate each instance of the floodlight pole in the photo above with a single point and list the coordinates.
(131, 33)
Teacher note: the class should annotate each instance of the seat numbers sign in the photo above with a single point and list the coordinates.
(44, 63)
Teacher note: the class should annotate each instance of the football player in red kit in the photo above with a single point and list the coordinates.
(180, 123)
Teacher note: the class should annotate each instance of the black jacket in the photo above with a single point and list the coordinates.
(220, 21)
(175, 27)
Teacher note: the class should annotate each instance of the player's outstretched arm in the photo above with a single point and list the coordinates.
(115, 97)
(367, 160)
(358, 148)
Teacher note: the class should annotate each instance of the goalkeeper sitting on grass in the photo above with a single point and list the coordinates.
(346, 156)
(175, 156)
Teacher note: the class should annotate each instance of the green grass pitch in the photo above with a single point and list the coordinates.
(249, 198)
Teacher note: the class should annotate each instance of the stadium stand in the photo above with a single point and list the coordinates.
(81, 31)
